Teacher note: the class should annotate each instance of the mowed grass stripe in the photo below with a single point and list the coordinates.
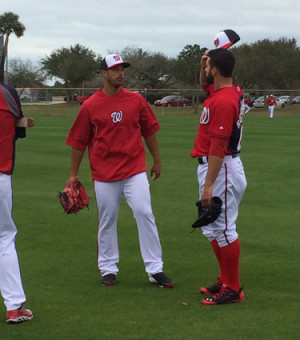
(58, 252)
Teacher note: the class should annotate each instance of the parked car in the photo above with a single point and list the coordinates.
(173, 100)
(260, 102)
(81, 99)
(151, 97)
(286, 99)
(70, 98)
(296, 100)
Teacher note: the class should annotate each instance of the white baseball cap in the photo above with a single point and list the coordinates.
(226, 38)
(112, 60)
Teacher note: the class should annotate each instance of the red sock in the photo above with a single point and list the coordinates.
(217, 251)
(230, 260)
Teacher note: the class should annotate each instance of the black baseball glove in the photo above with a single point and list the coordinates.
(207, 215)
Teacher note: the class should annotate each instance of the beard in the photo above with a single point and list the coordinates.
(116, 83)
(209, 79)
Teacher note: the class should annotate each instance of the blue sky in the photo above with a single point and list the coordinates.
(155, 25)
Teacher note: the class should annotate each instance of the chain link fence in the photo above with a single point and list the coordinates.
(158, 97)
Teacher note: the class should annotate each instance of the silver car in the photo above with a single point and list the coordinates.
(260, 102)
(286, 99)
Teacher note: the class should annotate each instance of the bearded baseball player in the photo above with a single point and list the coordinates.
(111, 125)
(220, 173)
(223, 39)
(10, 278)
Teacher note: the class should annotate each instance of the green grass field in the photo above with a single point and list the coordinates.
(57, 252)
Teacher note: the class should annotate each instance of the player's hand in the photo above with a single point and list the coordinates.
(206, 196)
(203, 62)
(155, 171)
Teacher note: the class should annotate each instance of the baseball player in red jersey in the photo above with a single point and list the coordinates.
(111, 124)
(221, 173)
(271, 102)
(10, 278)
(247, 108)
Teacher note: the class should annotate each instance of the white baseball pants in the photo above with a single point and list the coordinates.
(247, 108)
(271, 111)
(137, 194)
(10, 278)
(230, 186)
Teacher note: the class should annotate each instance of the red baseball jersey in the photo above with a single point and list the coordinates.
(271, 101)
(221, 118)
(111, 128)
(10, 110)
(208, 89)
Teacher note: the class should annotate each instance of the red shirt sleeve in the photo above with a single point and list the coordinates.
(220, 121)
(218, 147)
(148, 121)
(7, 142)
(81, 131)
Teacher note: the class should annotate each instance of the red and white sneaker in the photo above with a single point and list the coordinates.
(225, 296)
(18, 315)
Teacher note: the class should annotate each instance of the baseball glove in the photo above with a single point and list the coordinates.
(74, 197)
(207, 215)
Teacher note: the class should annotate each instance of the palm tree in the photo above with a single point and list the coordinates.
(9, 23)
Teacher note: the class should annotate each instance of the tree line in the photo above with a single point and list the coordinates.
(265, 64)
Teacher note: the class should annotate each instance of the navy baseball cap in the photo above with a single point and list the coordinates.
(111, 61)
(226, 38)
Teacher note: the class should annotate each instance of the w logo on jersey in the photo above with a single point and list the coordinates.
(204, 118)
(117, 116)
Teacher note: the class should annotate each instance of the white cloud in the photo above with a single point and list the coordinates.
(165, 26)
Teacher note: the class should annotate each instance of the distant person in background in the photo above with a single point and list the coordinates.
(271, 102)
(247, 108)
(10, 278)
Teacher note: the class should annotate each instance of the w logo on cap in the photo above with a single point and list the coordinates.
(117, 57)
(111, 61)
(217, 42)
(226, 38)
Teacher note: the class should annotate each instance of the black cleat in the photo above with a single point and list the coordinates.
(162, 280)
(213, 289)
(225, 296)
(109, 280)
